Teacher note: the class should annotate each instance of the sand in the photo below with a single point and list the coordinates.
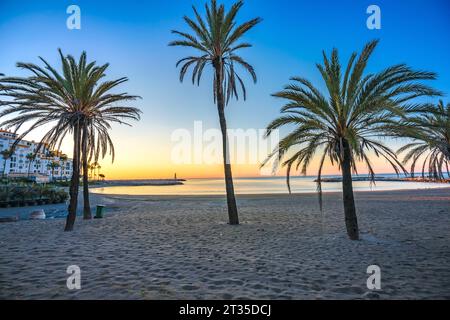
(182, 248)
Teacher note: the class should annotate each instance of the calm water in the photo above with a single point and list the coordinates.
(258, 186)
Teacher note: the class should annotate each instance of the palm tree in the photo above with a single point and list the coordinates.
(94, 167)
(52, 166)
(345, 125)
(6, 154)
(91, 170)
(98, 172)
(38, 164)
(430, 131)
(216, 38)
(30, 157)
(73, 101)
(63, 161)
(102, 176)
(95, 170)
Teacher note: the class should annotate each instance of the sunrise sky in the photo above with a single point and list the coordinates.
(133, 38)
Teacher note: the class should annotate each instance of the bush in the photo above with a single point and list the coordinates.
(22, 194)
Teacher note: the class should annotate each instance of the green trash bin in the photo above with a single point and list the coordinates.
(100, 212)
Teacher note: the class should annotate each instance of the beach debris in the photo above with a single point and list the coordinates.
(38, 215)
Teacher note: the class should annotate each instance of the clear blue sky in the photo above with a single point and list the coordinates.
(133, 35)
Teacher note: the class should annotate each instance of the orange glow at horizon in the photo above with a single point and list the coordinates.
(140, 158)
(164, 169)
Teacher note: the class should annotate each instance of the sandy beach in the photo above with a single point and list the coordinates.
(182, 248)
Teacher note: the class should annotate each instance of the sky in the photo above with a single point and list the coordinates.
(133, 37)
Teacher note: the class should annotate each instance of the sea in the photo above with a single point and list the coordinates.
(261, 185)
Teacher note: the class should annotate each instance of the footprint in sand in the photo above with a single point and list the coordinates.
(349, 290)
(189, 287)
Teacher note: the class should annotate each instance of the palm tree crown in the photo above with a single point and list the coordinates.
(75, 97)
(217, 39)
(53, 165)
(7, 153)
(431, 133)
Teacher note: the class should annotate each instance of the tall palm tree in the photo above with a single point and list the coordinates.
(63, 158)
(344, 125)
(91, 169)
(30, 157)
(98, 172)
(430, 131)
(94, 167)
(52, 166)
(216, 38)
(6, 154)
(72, 100)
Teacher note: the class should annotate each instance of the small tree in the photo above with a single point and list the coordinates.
(30, 157)
(98, 172)
(6, 154)
(52, 166)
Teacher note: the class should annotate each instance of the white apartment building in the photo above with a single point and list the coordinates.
(46, 166)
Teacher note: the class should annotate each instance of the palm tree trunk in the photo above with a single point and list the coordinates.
(87, 214)
(231, 198)
(351, 220)
(75, 182)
